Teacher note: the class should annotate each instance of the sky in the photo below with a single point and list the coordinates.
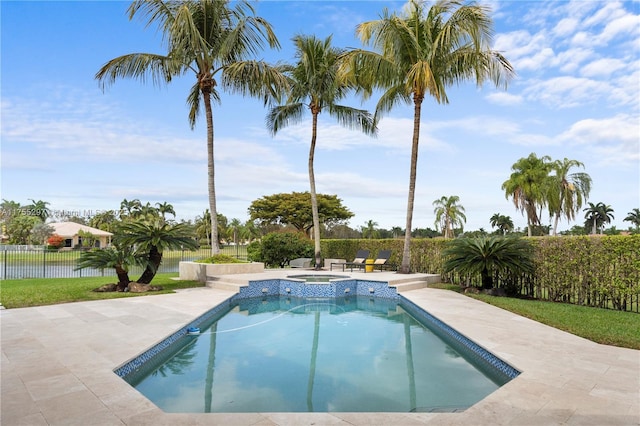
(64, 140)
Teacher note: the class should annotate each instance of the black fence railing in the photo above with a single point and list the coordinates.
(36, 262)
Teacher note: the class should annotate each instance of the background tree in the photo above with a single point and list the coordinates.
(421, 53)
(294, 209)
(203, 227)
(488, 256)
(55, 241)
(106, 221)
(597, 215)
(278, 248)
(527, 186)
(502, 222)
(369, 230)
(39, 209)
(19, 228)
(634, 217)
(208, 38)
(164, 209)
(566, 191)
(448, 214)
(314, 84)
(40, 233)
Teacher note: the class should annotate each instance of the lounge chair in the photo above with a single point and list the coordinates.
(301, 262)
(381, 261)
(358, 262)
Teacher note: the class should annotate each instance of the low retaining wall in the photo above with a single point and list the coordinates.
(200, 271)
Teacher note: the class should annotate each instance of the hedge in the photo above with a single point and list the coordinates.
(601, 271)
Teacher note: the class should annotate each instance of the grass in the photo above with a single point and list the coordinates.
(50, 291)
(605, 326)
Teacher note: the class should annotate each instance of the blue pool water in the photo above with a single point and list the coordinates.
(289, 354)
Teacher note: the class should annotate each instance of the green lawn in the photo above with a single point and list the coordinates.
(49, 291)
(604, 326)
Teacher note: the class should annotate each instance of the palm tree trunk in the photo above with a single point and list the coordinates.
(215, 248)
(555, 224)
(154, 259)
(123, 278)
(312, 366)
(405, 267)
(314, 198)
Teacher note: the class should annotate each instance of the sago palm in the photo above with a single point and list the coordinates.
(421, 52)
(118, 256)
(314, 84)
(449, 214)
(528, 186)
(567, 191)
(487, 256)
(213, 41)
(151, 239)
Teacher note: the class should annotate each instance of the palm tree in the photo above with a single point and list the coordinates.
(369, 230)
(314, 84)
(166, 208)
(488, 255)
(502, 222)
(39, 209)
(203, 226)
(448, 214)
(597, 215)
(528, 185)
(634, 217)
(210, 39)
(118, 256)
(567, 191)
(422, 52)
(152, 238)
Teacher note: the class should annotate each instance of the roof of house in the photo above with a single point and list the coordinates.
(69, 229)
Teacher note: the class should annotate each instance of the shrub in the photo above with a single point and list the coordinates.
(278, 248)
(55, 241)
(220, 258)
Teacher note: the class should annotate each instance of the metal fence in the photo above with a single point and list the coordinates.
(36, 262)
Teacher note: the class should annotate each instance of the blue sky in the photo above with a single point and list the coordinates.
(65, 141)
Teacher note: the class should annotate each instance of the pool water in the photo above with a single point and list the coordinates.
(281, 354)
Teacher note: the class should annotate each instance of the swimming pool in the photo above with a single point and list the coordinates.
(270, 354)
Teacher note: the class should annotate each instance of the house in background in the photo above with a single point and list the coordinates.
(70, 230)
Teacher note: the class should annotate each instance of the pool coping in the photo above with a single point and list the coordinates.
(57, 366)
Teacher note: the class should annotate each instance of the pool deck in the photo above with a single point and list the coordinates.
(57, 366)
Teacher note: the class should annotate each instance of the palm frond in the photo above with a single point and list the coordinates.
(282, 116)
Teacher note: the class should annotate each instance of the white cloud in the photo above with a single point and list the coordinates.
(602, 67)
(614, 140)
(502, 98)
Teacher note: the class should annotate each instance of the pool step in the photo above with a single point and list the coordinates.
(226, 283)
(409, 284)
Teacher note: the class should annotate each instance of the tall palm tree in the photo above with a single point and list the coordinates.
(634, 217)
(597, 215)
(448, 214)
(528, 185)
(421, 53)
(211, 40)
(567, 191)
(488, 255)
(314, 84)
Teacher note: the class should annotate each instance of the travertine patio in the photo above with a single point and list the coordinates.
(57, 367)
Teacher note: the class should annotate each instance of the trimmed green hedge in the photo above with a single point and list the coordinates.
(602, 271)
